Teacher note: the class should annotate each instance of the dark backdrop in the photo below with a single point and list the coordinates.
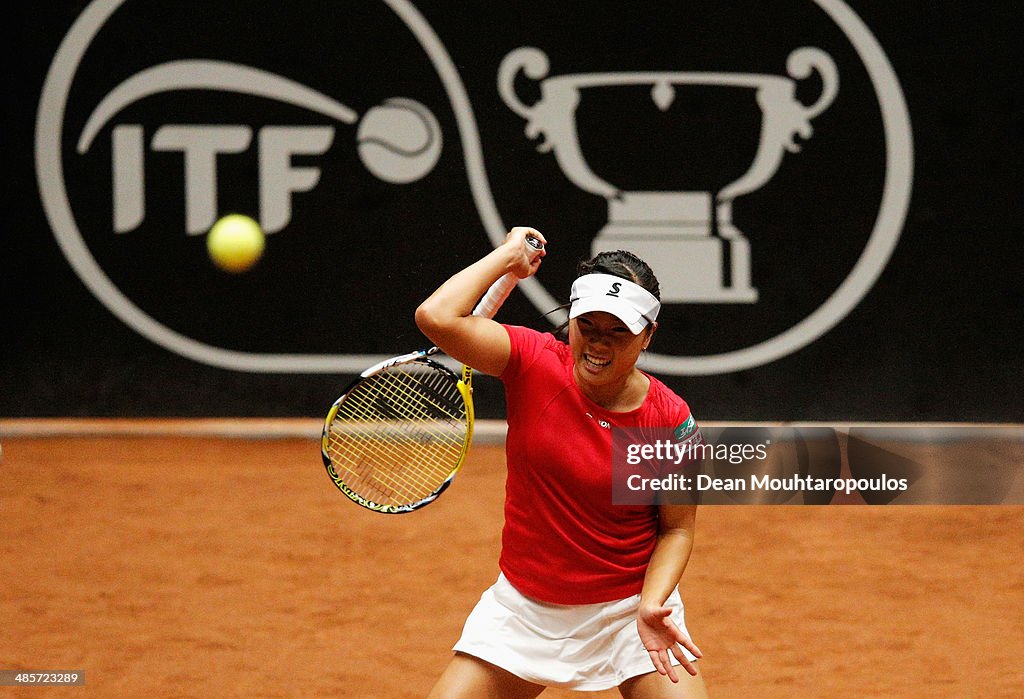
(937, 337)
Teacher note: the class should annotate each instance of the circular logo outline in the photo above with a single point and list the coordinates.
(867, 269)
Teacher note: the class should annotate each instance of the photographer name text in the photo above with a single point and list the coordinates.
(705, 483)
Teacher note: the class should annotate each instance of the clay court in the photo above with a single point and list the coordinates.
(203, 566)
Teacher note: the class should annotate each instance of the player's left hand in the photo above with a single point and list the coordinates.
(661, 636)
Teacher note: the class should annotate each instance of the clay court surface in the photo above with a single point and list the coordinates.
(170, 567)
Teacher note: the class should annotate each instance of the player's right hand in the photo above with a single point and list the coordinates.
(525, 260)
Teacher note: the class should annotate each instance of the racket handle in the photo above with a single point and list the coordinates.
(500, 289)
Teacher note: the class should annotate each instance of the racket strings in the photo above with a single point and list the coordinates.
(403, 467)
(388, 471)
(399, 435)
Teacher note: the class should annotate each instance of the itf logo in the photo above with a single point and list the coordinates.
(398, 141)
(764, 175)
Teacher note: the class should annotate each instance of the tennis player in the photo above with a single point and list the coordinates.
(587, 597)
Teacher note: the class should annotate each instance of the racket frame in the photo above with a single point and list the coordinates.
(463, 383)
(487, 307)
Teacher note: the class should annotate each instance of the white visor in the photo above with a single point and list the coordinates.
(629, 302)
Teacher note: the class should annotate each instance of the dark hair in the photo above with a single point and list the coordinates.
(618, 263)
(622, 263)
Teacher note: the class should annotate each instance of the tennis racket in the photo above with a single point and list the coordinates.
(395, 439)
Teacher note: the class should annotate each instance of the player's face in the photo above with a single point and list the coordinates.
(603, 347)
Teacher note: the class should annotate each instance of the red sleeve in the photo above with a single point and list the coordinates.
(527, 347)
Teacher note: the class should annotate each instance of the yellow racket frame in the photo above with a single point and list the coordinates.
(464, 384)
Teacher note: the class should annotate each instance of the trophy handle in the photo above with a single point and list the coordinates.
(535, 65)
(552, 117)
(801, 63)
(785, 117)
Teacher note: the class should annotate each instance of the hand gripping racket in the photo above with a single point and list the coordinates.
(396, 438)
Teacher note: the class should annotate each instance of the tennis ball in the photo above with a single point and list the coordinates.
(399, 140)
(235, 243)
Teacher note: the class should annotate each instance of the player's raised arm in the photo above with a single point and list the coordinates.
(446, 317)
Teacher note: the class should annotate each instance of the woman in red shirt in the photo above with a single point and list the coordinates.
(587, 597)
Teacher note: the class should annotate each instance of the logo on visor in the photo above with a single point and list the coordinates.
(614, 291)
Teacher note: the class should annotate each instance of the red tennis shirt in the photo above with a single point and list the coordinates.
(564, 542)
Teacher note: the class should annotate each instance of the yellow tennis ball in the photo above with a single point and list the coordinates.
(235, 243)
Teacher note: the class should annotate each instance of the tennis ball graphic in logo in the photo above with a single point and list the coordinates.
(399, 141)
(235, 243)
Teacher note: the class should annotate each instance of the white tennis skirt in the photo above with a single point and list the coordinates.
(587, 647)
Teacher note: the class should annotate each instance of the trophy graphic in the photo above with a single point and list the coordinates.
(688, 237)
